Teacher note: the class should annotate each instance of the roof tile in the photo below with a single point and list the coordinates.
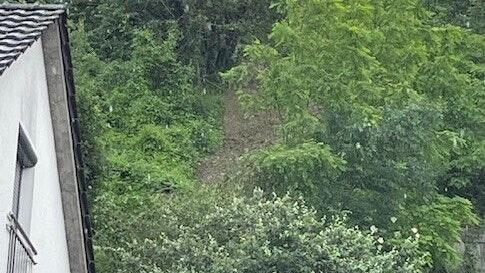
(20, 26)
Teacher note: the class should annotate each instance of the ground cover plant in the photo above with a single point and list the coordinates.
(375, 153)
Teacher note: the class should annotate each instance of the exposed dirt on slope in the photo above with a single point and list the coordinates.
(242, 135)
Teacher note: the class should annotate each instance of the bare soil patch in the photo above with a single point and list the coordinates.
(242, 135)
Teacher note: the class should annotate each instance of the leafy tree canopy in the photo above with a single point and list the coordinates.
(396, 100)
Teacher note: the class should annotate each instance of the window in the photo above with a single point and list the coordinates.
(21, 252)
(26, 159)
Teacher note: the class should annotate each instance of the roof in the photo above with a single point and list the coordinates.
(21, 25)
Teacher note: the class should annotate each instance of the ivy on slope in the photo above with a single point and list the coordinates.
(145, 126)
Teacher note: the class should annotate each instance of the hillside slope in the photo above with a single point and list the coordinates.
(242, 135)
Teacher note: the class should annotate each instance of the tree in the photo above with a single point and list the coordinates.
(375, 85)
(211, 31)
(468, 13)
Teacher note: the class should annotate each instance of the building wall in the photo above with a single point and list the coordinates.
(24, 99)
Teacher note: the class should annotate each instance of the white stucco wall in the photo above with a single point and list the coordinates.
(24, 99)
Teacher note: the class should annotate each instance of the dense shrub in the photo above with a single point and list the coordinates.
(211, 30)
(310, 169)
(439, 223)
(204, 232)
(146, 125)
(143, 119)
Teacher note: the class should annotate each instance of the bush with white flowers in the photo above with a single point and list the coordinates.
(259, 234)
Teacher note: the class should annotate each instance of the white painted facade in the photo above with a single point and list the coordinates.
(24, 101)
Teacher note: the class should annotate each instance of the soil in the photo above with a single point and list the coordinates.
(242, 135)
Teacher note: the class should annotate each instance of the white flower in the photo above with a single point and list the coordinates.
(414, 230)
(380, 240)
(393, 219)
(373, 229)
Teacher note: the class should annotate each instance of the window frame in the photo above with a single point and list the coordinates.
(21, 251)
(26, 159)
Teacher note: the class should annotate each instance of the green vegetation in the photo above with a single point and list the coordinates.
(382, 126)
(379, 109)
(145, 114)
(210, 233)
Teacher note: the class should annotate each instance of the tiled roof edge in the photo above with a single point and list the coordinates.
(35, 6)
